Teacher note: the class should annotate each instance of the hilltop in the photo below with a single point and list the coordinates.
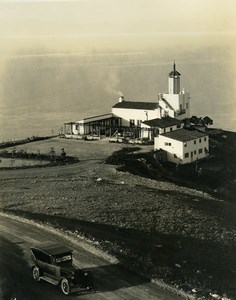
(159, 228)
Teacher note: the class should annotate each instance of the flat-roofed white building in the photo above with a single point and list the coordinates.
(98, 125)
(183, 146)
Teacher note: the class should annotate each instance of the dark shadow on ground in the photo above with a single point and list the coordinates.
(114, 276)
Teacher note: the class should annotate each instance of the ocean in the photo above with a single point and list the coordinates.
(42, 89)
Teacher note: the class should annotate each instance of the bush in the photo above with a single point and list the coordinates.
(51, 157)
(119, 156)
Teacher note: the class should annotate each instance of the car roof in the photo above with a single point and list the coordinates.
(52, 248)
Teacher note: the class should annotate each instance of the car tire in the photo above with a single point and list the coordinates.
(65, 286)
(90, 280)
(36, 273)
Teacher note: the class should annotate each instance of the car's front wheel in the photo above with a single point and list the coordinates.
(36, 273)
(65, 286)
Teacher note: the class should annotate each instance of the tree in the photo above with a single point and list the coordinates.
(208, 121)
(52, 154)
(63, 154)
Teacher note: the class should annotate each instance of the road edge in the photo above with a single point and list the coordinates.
(87, 245)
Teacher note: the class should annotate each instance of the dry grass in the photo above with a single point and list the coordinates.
(79, 148)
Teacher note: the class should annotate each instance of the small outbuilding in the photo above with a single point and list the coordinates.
(152, 128)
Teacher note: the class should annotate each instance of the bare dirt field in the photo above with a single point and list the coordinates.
(180, 235)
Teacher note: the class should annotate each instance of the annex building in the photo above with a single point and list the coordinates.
(160, 121)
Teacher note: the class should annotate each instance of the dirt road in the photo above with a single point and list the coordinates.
(111, 280)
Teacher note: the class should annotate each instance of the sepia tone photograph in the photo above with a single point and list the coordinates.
(117, 149)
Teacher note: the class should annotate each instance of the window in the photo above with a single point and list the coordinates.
(167, 144)
(43, 257)
(181, 106)
(186, 105)
(195, 152)
(185, 144)
(205, 139)
(171, 128)
(195, 142)
(200, 140)
(131, 122)
(200, 151)
(186, 155)
(178, 126)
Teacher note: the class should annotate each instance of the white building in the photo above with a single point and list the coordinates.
(160, 120)
(175, 104)
(152, 128)
(133, 113)
(96, 125)
(183, 146)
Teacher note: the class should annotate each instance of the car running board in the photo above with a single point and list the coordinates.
(50, 280)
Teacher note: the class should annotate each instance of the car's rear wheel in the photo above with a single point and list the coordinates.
(36, 273)
(90, 282)
(65, 286)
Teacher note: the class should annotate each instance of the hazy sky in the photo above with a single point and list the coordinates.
(44, 23)
(66, 60)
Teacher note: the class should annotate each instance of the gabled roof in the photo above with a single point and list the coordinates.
(136, 105)
(184, 135)
(52, 248)
(163, 122)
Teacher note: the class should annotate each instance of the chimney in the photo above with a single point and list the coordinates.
(121, 99)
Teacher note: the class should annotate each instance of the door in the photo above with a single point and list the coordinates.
(191, 155)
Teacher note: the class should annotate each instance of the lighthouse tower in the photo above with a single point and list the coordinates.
(175, 103)
(174, 81)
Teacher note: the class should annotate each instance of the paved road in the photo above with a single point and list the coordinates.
(111, 280)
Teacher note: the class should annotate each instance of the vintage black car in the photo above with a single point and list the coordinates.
(53, 263)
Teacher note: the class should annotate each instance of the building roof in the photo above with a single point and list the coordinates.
(94, 119)
(136, 105)
(167, 103)
(109, 115)
(98, 118)
(52, 248)
(163, 122)
(174, 72)
(184, 135)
